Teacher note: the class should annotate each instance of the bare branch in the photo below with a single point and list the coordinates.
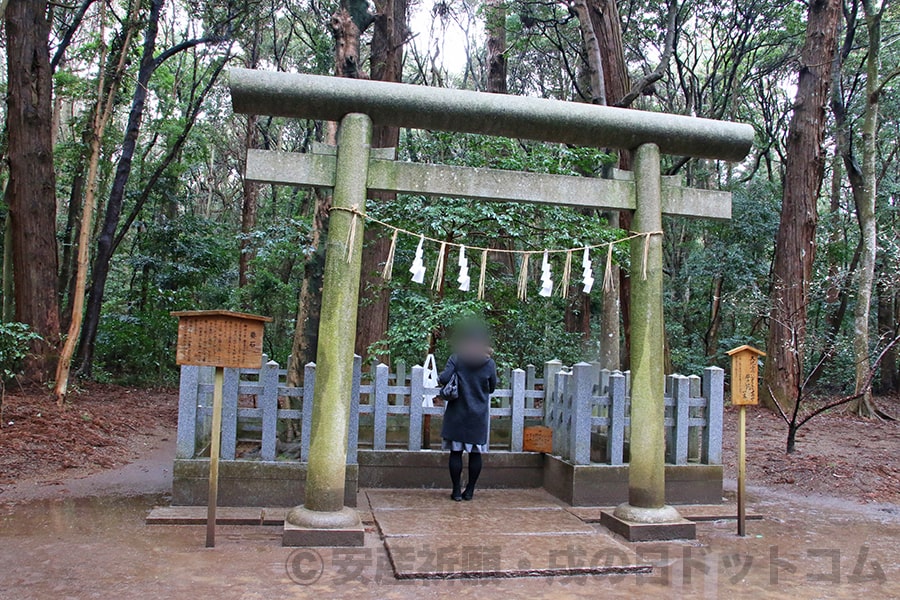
(186, 45)
(668, 49)
(867, 385)
(829, 352)
(69, 34)
(778, 405)
(887, 79)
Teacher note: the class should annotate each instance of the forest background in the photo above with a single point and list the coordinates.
(124, 196)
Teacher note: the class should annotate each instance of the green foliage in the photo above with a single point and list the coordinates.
(178, 264)
(524, 333)
(276, 273)
(533, 333)
(137, 347)
(698, 254)
(733, 61)
(415, 318)
(15, 340)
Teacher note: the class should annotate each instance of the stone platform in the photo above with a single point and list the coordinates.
(283, 483)
(249, 515)
(698, 513)
(226, 515)
(680, 529)
(501, 533)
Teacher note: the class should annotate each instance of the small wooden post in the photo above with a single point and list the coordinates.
(214, 445)
(744, 393)
(220, 339)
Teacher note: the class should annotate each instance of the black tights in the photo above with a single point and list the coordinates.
(456, 470)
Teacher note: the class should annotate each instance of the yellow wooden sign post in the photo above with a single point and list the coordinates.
(220, 339)
(744, 393)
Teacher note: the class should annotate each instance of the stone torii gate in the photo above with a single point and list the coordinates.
(355, 168)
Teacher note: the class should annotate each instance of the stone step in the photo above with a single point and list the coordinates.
(508, 555)
(470, 517)
(487, 499)
(692, 512)
(225, 515)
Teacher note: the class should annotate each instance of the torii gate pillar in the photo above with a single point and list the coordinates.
(323, 520)
(646, 515)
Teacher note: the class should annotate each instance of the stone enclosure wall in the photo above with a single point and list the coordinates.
(265, 425)
(586, 407)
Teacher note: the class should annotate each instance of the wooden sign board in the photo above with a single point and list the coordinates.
(219, 338)
(537, 439)
(745, 375)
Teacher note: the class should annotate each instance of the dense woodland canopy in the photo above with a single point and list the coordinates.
(124, 195)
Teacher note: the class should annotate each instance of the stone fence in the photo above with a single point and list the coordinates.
(588, 410)
(586, 407)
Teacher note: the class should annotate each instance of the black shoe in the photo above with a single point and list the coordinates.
(468, 494)
(456, 497)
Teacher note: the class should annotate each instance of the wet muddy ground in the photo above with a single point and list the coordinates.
(100, 547)
(67, 537)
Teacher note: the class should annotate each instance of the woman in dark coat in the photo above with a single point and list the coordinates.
(466, 419)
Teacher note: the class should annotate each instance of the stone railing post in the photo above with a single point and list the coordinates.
(186, 438)
(714, 394)
(309, 383)
(582, 406)
(268, 403)
(379, 418)
(417, 393)
(615, 441)
(517, 412)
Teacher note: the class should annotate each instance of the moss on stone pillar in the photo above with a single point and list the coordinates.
(337, 326)
(646, 477)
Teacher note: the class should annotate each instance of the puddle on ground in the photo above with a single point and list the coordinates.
(71, 515)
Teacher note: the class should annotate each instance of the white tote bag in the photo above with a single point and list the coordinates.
(430, 375)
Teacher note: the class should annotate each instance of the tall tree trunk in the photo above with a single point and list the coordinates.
(249, 208)
(106, 99)
(592, 52)
(388, 38)
(9, 306)
(620, 92)
(889, 376)
(578, 309)
(840, 275)
(711, 338)
(495, 27)
(31, 192)
(608, 32)
(865, 213)
(610, 309)
(309, 306)
(833, 292)
(71, 232)
(105, 240)
(250, 189)
(347, 24)
(795, 240)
